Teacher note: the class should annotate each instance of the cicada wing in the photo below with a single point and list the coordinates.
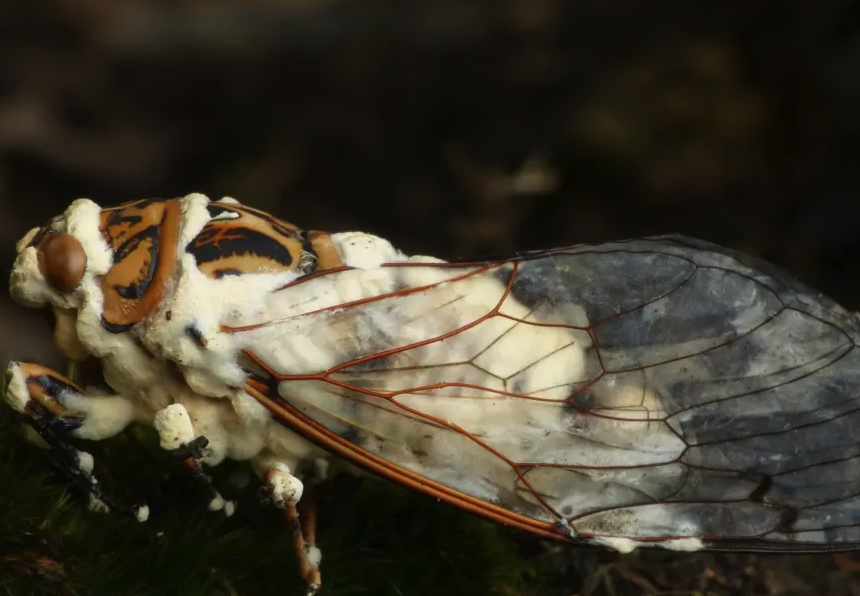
(648, 390)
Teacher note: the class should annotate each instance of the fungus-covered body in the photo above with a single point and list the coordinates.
(644, 392)
(188, 347)
(143, 348)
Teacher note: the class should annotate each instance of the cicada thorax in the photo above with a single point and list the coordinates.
(145, 239)
(179, 270)
(239, 240)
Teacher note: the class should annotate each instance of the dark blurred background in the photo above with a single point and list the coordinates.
(451, 127)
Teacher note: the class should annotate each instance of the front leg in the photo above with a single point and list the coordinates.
(57, 408)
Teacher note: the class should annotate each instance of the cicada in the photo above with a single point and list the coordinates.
(652, 392)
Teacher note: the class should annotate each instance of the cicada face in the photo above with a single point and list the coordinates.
(57, 268)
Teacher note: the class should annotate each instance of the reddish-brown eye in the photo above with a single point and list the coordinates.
(62, 261)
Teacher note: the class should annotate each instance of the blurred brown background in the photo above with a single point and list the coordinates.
(451, 127)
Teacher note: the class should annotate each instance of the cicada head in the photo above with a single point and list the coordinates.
(57, 268)
(101, 271)
(53, 259)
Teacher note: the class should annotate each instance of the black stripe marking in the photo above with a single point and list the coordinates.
(138, 288)
(206, 249)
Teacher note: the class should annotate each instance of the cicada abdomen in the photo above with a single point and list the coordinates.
(660, 391)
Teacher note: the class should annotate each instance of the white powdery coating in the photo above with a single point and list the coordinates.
(23, 242)
(194, 216)
(300, 340)
(104, 416)
(28, 286)
(286, 488)
(85, 462)
(289, 449)
(217, 503)
(622, 545)
(365, 251)
(687, 545)
(626, 545)
(16, 394)
(229, 435)
(173, 426)
(248, 409)
(206, 304)
(83, 220)
(314, 555)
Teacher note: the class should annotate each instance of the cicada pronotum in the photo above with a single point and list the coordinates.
(653, 392)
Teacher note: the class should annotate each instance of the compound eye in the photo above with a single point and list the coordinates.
(62, 261)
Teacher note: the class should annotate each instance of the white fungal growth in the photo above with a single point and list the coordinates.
(173, 426)
(687, 545)
(622, 545)
(85, 462)
(314, 555)
(142, 513)
(626, 545)
(16, 394)
(104, 416)
(217, 503)
(28, 237)
(365, 251)
(82, 222)
(286, 488)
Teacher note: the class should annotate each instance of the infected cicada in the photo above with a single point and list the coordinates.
(654, 392)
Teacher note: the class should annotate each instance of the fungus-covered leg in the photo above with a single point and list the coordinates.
(176, 434)
(56, 408)
(285, 491)
(309, 509)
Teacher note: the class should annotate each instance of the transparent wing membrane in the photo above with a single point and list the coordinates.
(652, 389)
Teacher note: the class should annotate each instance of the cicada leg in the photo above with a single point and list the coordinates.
(309, 505)
(285, 490)
(176, 434)
(56, 408)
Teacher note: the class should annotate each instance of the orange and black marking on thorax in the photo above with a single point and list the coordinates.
(143, 236)
(240, 239)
